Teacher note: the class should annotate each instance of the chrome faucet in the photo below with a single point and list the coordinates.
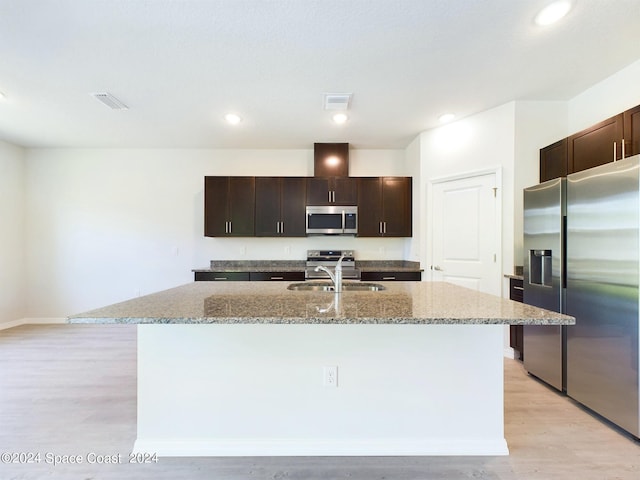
(336, 277)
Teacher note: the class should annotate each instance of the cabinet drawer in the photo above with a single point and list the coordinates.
(516, 290)
(392, 276)
(221, 276)
(277, 276)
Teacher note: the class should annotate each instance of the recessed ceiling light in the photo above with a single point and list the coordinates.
(446, 118)
(553, 12)
(340, 118)
(232, 118)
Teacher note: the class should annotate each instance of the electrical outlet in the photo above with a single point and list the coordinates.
(330, 376)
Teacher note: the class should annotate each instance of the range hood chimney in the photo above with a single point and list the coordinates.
(331, 159)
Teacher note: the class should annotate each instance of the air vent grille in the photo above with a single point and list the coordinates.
(337, 101)
(110, 101)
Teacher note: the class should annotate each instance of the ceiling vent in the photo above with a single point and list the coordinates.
(337, 101)
(110, 101)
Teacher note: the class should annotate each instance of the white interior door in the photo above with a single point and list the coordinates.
(466, 233)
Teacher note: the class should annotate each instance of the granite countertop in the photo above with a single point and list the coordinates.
(517, 273)
(515, 277)
(273, 303)
(300, 265)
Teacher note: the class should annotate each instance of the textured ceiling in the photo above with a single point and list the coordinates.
(181, 65)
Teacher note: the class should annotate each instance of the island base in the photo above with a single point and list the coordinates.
(254, 390)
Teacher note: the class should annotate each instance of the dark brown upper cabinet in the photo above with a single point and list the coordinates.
(229, 206)
(331, 159)
(280, 206)
(604, 142)
(597, 145)
(553, 161)
(384, 207)
(332, 191)
(632, 131)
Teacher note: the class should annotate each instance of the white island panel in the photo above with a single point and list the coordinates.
(254, 389)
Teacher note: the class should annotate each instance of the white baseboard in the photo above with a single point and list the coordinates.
(33, 321)
(321, 447)
(509, 352)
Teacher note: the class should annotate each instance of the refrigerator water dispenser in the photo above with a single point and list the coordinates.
(540, 267)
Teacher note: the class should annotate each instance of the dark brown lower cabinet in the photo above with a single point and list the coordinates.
(276, 276)
(221, 276)
(516, 342)
(391, 276)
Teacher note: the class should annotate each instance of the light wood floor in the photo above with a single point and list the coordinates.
(71, 390)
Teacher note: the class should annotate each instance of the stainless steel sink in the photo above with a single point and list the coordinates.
(328, 287)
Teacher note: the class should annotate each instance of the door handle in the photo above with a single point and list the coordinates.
(437, 268)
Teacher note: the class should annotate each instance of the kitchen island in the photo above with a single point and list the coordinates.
(239, 368)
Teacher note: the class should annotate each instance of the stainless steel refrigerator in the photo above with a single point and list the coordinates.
(544, 278)
(593, 223)
(603, 222)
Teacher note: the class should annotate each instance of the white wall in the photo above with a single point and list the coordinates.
(613, 95)
(537, 124)
(481, 141)
(107, 224)
(12, 234)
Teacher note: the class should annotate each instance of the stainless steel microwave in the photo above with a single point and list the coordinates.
(332, 220)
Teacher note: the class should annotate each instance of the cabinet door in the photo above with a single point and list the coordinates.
(396, 206)
(345, 191)
(318, 191)
(553, 161)
(216, 194)
(241, 206)
(632, 131)
(292, 199)
(369, 206)
(268, 206)
(595, 146)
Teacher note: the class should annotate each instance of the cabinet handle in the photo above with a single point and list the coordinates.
(334, 196)
(615, 150)
(220, 278)
(388, 278)
(277, 278)
(623, 148)
(437, 268)
(380, 227)
(230, 225)
(281, 227)
(226, 227)
(329, 193)
(518, 288)
(384, 227)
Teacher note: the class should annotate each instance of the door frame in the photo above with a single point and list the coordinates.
(497, 172)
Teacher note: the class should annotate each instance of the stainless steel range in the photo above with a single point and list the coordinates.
(329, 259)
